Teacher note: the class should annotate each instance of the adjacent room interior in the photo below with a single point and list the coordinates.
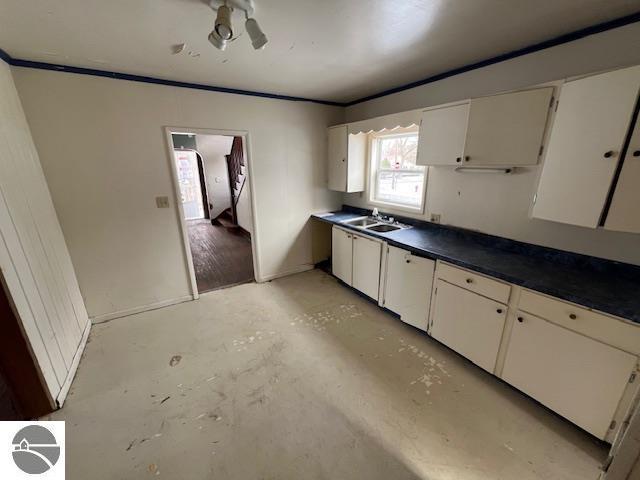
(212, 176)
(379, 240)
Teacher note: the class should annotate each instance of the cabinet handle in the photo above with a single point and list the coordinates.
(499, 310)
(609, 154)
(467, 158)
(573, 316)
(408, 261)
(520, 319)
(469, 280)
(636, 153)
(344, 159)
(458, 159)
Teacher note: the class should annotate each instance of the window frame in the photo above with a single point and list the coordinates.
(373, 162)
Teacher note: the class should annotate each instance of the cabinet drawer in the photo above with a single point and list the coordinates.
(581, 379)
(475, 282)
(606, 329)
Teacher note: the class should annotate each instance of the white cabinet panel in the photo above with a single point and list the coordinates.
(337, 153)
(468, 323)
(593, 118)
(442, 133)
(346, 159)
(408, 286)
(366, 265)
(577, 377)
(624, 212)
(341, 255)
(507, 129)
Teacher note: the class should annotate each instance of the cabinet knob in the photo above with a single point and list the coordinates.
(408, 261)
(609, 154)
(344, 159)
(458, 159)
(520, 319)
(467, 158)
(573, 316)
(469, 280)
(499, 310)
(636, 153)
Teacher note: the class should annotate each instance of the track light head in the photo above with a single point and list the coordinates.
(258, 38)
(223, 23)
(216, 41)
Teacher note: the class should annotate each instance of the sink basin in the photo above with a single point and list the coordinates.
(361, 222)
(383, 228)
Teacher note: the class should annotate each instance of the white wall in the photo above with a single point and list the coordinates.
(213, 149)
(497, 204)
(127, 253)
(35, 263)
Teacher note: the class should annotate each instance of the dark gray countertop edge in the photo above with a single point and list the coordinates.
(633, 317)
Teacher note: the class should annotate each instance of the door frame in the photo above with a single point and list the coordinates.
(179, 211)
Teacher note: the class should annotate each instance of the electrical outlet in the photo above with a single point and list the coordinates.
(162, 202)
(435, 218)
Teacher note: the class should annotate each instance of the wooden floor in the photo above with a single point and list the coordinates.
(221, 256)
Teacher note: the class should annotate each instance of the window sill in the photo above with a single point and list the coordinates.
(397, 207)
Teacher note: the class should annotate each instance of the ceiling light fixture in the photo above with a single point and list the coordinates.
(223, 30)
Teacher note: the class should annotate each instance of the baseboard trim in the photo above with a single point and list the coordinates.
(71, 374)
(105, 317)
(298, 269)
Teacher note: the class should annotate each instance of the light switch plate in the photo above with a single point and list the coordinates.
(162, 202)
(435, 218)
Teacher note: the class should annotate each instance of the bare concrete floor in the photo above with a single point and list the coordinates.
(300, 378)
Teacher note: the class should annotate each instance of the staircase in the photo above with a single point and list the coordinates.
(237, 175)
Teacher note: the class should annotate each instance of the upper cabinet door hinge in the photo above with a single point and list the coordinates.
(540, 151)
(632, 378)
(557, 103)
(551, 101)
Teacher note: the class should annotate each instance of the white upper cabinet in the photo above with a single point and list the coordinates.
(346, 159)
(407, 289)
(588, 134)
(624, 212)
(442, 133)
(507, 129)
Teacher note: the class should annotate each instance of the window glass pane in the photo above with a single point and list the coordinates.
(397, 178)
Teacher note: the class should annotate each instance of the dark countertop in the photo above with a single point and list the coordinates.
(603, 285)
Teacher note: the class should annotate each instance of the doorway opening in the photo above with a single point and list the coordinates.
(212, 176)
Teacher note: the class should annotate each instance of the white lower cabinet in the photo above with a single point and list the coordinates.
(366, 265)
(468, 323)
(581, 379)
(355, 260)
(407, 289)
(341, 255)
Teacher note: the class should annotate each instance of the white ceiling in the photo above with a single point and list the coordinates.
(321, 49)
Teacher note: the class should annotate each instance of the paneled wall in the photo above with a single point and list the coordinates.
(36, 267)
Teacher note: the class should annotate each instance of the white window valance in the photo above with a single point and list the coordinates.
(386, 122)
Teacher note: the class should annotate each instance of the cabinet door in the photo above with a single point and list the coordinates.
(575, 376)
(442, 132)
(588, 133)
(341, 255)
(507, 129)
(337, 152)
(408, 286)
(624, 213)
(366, 265)
(468, 323)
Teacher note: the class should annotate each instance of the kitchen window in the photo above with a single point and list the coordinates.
(396, 180)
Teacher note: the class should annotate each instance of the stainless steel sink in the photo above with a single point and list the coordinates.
(361, 222)
(383, 227)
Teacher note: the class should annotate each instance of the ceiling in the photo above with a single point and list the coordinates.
(321, 49)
